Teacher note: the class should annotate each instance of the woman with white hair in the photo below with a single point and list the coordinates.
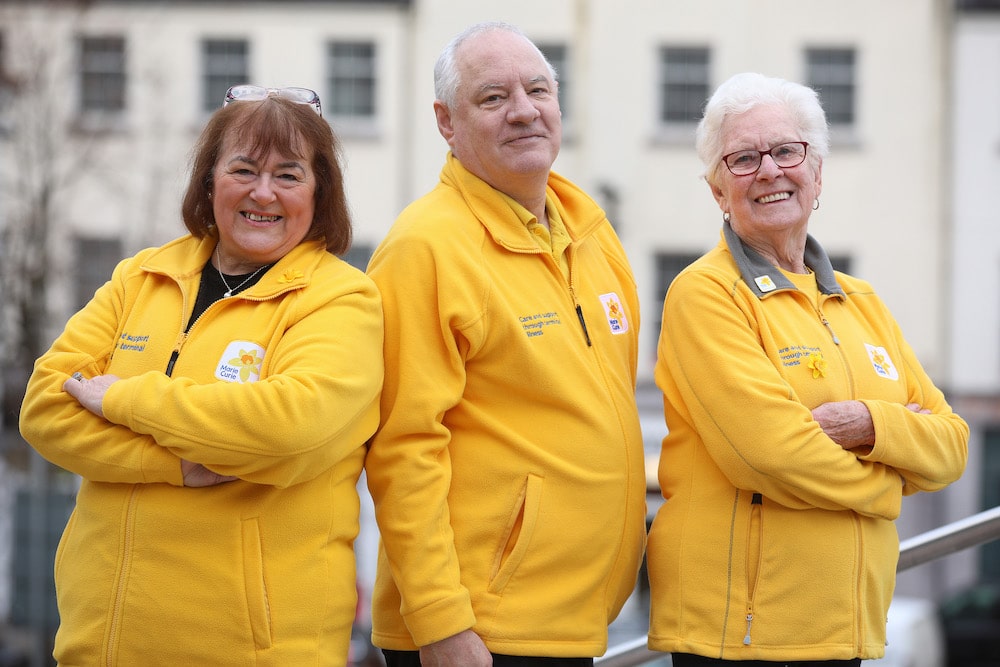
(798, 415)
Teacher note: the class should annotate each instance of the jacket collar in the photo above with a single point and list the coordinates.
(580, 213)
(186, 256)
(763, 278)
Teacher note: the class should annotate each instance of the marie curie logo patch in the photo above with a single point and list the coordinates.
(881, 362)
(240, 362)
(615, 313)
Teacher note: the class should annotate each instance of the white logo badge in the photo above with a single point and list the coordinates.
(765, 284)
(240, 362)
(615, 313)
(881, 362)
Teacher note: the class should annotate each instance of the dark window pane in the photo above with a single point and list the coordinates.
(225, 63)
(683, 84)
(351, 67)
(102, 74)
(832, 74)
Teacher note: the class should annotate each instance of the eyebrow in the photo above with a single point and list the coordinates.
(288, 164)
(493, 86)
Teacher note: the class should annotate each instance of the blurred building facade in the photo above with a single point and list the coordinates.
(107, 97)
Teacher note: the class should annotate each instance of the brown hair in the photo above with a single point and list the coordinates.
(286, 127)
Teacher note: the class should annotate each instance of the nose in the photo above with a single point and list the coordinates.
(522, 107)
(263, 190)
(768, 168)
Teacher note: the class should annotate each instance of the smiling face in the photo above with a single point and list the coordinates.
(774, 203)
(263, 205)
(505, 126)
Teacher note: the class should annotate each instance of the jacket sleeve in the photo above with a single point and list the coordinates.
(316, 401)
(69, 435)
(714, 371)
(408, 464)
(931, 450)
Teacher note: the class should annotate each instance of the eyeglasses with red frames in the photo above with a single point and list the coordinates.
(744, 163)
(249, 93)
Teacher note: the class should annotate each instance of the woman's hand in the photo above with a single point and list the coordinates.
(89, 392)
(849, 423)
(197, 475)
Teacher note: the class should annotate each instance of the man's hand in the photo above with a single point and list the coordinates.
(197, 475)
(465, 649)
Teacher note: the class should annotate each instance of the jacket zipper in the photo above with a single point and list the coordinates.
(754, 538)
(826, 323)
(181, 339)
(122, 580)
(183, 336)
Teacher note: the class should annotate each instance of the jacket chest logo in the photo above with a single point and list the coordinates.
(240, 362)
(615, 313)
(881, 362)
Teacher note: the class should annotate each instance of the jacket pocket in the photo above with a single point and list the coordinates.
(255, 585)
(755, 530)
(517, 534)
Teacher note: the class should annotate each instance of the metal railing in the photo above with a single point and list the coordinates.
(969, 532)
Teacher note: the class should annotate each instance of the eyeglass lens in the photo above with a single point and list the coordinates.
(787, 155)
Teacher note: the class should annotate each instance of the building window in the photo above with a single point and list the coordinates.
(683, 85)
(831, 72)
(102, 75)
(351, 81)
(95, 260)
(668, 265)
(557, 56)
(225, 63)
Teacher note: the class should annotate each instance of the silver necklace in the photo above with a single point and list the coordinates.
(230, 290)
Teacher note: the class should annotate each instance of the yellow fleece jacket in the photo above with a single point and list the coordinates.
(279, 386)
(774, 543)
(507, 471)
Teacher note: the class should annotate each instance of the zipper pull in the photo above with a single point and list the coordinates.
(579, 314)
(826, 323)
(746, 639)
(181, 338)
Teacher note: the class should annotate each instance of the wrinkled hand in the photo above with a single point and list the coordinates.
(197, 475)
(89, 392)
(466, 649)
(849, 423)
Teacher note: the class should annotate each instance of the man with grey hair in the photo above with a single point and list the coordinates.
(507, 471)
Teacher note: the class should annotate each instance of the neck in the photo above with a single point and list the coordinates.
(233, 267)
(786, 252)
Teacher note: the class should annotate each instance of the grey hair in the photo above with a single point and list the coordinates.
(742, 92)
(446, 76)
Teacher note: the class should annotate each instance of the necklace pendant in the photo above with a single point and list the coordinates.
(227, 295)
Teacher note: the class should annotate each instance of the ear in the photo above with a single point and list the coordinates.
(443, 116)
(819, 177)
(720, 197)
